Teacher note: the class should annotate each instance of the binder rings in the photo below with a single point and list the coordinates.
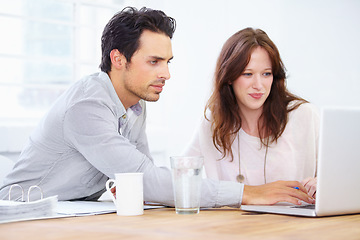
(27, 210)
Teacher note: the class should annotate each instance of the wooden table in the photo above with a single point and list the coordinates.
(224, 223)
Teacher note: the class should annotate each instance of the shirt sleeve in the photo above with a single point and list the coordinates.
(89, 127)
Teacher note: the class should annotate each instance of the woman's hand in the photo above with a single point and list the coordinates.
(279, 191)
(310, 185)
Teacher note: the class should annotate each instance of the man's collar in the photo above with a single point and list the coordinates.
(137, 109)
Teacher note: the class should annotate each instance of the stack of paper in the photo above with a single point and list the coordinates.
(15, 211)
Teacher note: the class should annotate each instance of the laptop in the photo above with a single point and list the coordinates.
(338, 171)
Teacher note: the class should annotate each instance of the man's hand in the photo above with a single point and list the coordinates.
(279, 191)
(310, 185)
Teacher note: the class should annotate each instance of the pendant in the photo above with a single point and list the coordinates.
(240, 178)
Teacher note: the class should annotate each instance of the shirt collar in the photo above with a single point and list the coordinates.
(137, 108)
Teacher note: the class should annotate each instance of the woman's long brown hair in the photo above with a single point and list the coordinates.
(225, 113)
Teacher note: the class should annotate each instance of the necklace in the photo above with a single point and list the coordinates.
(240, 178)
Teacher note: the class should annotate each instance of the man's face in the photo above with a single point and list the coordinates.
(144, 77)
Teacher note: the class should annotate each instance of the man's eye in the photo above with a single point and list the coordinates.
(153, 62)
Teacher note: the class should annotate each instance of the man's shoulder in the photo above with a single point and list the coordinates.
(94, 83)
(90, 88)
(90, 91)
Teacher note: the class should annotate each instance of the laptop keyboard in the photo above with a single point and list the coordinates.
(309, 206)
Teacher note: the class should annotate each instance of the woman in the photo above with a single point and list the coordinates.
(255, 131)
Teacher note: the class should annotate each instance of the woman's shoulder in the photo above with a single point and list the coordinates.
(305, 112)
(305, 108)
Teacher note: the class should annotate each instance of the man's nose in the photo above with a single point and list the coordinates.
(165, 73)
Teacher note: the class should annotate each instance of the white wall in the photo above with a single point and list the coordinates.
(319, 42)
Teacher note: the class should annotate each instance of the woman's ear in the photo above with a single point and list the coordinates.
(118, 60)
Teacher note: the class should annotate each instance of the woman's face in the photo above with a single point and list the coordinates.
(253, 86)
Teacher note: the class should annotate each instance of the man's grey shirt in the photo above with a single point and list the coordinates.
(87, 137)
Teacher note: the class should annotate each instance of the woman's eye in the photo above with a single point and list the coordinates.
(267, 74)
(247, 74)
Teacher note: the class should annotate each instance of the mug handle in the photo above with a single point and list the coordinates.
(107, 185)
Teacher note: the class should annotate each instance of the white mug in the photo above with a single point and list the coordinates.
(129, 193)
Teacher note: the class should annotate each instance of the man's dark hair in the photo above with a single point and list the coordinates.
(125, 28)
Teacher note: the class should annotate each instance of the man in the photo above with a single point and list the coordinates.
(97, 127)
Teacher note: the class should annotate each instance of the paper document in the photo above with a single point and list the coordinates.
(83, 208)
(61, 209)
